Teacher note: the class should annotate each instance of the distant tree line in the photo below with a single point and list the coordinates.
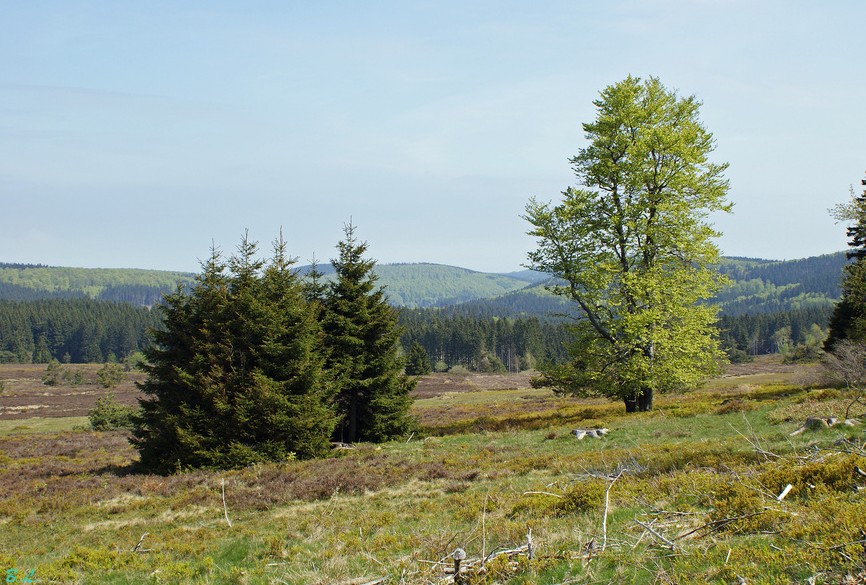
(779, 332)
(21, 265)
(84, 330)
(820, 274)
(483, 343)
(72, 330)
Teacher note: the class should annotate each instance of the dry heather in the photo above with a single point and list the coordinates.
(686, 494)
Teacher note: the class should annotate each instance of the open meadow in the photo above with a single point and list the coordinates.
(693, 492)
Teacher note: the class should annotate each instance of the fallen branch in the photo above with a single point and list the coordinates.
(721, 523)
(137, 547)
(658, 535)
(542, 494)
(522, 549)
(606, 505)
(225, 508)
(364, 581)
(753, 441)
(483, 525)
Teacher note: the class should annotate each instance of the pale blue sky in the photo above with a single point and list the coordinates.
(133, 134)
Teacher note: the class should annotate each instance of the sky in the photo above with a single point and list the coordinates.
(140, 134)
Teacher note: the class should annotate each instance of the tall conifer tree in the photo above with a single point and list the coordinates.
(235, 377)
(849, 316)
(361, 341)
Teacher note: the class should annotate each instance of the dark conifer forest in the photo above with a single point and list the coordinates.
(462, 318)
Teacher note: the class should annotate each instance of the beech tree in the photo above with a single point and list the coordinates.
(849, 316)
(361, 344)
(633, 247)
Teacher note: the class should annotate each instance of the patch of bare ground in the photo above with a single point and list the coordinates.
(763, 364)
(24, 394)
(437, 384)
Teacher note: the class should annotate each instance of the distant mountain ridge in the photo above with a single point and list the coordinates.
(758, 286)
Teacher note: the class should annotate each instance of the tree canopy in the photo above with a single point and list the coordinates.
(633, 247)
(235, 375)
(361, 343)
(849, 316)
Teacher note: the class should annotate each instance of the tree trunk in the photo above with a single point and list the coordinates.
(353, 420)
(645, 400)
(640, 401)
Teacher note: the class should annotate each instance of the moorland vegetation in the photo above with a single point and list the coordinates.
(703, 472)
(226, 472)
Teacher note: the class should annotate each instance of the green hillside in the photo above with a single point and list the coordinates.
(425, 285)
(435, 285)
(765, 286)
(408, 285)
(758, 286)
(26, 282)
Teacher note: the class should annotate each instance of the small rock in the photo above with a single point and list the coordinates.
(594, 433)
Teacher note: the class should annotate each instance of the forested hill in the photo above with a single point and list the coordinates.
(28, 282)
(765, 286)
(759, 286)
(421, 285)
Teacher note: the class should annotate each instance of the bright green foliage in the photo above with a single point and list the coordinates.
(235, 376)
(418, 362)
(849, 317)
(361, 340)
(110, 375)
(633, 247)
(57, 374)
(53, 374)
(110, 415)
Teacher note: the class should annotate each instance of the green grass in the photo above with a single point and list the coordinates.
(42, 425)
(71, 509)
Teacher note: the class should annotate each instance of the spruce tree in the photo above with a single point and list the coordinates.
(849, 316)
(361, 342)
(179, 421)
(235, 376)
(417, 361)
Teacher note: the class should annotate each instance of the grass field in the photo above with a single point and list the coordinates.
(685, 494)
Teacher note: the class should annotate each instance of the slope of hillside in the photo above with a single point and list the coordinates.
(758, 286)
(23, 282)
(764, 286)
(435, 285)
(423, 284)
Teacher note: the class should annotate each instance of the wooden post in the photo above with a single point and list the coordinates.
(458, 555)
